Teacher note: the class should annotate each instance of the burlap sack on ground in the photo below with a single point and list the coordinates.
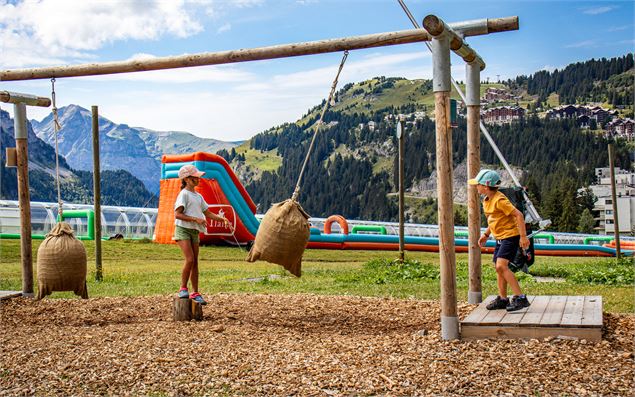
(61, 263)
(282, 236)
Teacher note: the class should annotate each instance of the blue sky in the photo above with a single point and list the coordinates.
(235, 102)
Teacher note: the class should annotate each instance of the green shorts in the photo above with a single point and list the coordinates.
(183, 233)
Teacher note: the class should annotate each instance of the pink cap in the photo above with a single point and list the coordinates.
(190, 170)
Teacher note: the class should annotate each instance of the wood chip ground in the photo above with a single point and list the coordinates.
(290, 345)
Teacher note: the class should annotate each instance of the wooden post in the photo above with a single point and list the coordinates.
(21, 143)
(402, 150)
(445, 203)
(441, 87)
(186, 310)
(473, 102)
(616, 219)
(97, 193)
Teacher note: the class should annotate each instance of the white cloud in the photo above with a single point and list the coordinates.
(582, 44)
(619, 28)
(226, 27)
(67, 29)
(597, 10)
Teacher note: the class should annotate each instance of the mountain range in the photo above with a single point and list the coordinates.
(135, 149)
(118, 187)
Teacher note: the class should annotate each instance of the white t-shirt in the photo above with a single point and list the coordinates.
(194, 205)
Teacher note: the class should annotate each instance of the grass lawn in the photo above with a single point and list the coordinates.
(140, 269)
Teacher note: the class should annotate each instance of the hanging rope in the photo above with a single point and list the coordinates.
(318, 124)
(57, 127)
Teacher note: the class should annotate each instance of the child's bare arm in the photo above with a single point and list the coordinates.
(178, 214)
(520, 221)
(484, 237)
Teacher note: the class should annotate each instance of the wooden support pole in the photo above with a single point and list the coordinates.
(97, 193)
(446, 211)
(475, 294)
(402, 151)
(24, 199)
(31, 100)
(468, 28)
(441, 86)
(186, 310)
(473, 102)
(616, 219)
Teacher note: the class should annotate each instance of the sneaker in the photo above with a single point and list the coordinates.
(517, 303)
(183, 293)
(498, 303)
(198, 298)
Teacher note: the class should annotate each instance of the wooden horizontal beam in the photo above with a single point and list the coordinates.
(31, 100)
(471, 28)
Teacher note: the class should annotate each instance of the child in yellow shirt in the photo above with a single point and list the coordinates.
(507, 224)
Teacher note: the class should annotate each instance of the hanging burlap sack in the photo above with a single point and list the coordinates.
(61, 263)
(282, 236)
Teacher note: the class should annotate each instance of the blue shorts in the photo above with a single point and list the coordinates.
(507, 248)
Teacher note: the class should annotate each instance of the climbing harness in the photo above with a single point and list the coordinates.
(318, 124)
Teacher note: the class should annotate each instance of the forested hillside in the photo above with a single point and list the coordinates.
(602, 80)
(342, 176)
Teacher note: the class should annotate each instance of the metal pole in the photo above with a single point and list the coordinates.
(473, 102)
(616, 219)
(441, 87)
(21, 142)
(97, 193)
(466, 28)
(402, 151)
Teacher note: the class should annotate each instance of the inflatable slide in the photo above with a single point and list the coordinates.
(226, 196)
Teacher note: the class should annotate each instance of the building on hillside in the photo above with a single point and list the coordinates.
(493, 94)
(584, 121)
(622, 128)
(502, 114)
(625, 195)
(597, 113)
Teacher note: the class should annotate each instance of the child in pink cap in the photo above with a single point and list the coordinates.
(190, 211)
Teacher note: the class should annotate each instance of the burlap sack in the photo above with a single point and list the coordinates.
(61, 263)
(282, 236)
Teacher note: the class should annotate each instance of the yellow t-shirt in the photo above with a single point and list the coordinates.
(500, 216)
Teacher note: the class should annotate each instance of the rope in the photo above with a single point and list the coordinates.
(318, 124)
(57, 127)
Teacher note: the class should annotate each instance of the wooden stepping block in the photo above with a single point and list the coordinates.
(186, 310)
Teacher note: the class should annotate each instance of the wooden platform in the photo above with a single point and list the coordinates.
(548, 316)
(9, 294)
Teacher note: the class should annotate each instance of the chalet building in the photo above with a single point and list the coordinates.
(498, 94)
(622, 128)
(625, 201)
(584, 121)
(597, 113)
(567, 112)
(502, 114)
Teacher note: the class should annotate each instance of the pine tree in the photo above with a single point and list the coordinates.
(587, 223)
